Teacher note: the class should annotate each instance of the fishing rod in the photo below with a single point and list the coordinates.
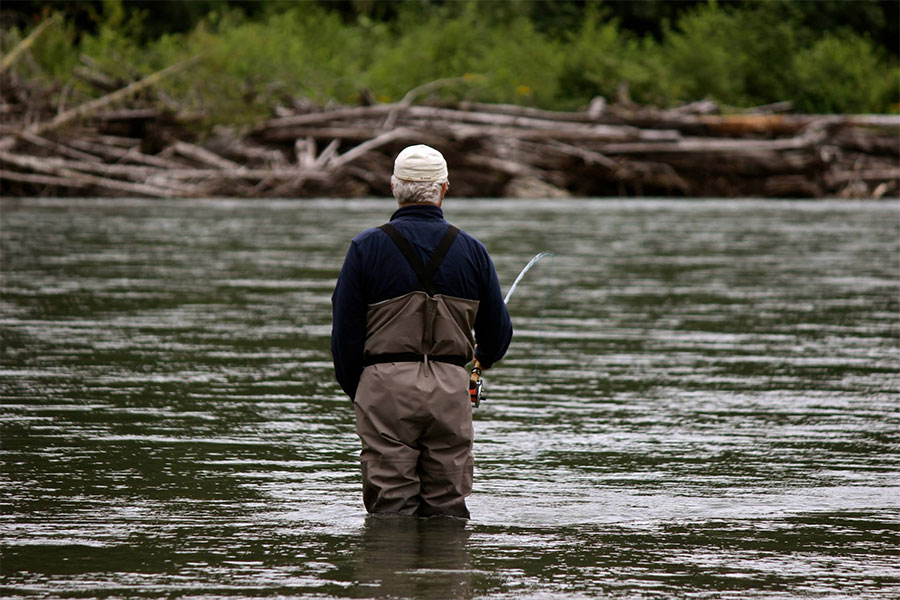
(537, 258)
(476, 382)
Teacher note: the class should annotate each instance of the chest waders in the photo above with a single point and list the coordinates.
(413, 413)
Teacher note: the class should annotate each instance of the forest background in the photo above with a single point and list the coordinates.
(829, 56)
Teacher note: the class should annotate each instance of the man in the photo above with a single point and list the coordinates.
(406, 302)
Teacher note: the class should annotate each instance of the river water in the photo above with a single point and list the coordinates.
(702, 399)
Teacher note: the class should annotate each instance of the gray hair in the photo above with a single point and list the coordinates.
(410, 192)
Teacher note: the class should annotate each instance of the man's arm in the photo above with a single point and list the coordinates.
(348, 326)
(493, 327)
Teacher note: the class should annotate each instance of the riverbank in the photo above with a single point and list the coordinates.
(137, 141)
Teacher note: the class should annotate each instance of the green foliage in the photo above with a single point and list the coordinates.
(499, 62)
(51, 58)
(600, 57)
(257, 56)
(876, 19)
(844, 73)
(115, 45)
(250, 66)
(420, 51)
(737, 57)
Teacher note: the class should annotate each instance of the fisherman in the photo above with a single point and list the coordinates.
(409, 295)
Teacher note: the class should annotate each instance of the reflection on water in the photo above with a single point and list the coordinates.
(414, 558)
(707, 407)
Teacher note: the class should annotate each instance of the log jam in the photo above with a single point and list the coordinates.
(136, 142)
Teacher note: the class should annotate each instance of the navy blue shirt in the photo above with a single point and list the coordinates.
(375, 270)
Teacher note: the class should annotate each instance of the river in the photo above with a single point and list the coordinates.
(702, 399)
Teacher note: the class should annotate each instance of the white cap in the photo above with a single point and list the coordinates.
(420, 163)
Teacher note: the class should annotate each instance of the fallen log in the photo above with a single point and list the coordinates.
(713, 145)
(204, 156)
(88, 108)
(227, 143)
(842, 177)
(96, 79)
(526, 111)
(59, 148)
(589, 157)
(319, 118)
(290, 134)
(45, 166)
(13, 55)
(128, 114)
(508, 167)
(790, 186)
(869, 142)
(590, 133)
(112, 140)
(133, 172)
(445, 115)
(120, 155)
(351, 155)
(142, 173)
(63, 182)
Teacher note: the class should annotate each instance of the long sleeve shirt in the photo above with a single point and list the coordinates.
(375, 270)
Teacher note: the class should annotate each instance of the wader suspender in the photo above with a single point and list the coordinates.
(425, 273)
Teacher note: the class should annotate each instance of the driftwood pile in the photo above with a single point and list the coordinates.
(621, 150)
(136, 141)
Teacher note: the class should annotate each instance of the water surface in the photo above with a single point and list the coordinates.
(701, 400)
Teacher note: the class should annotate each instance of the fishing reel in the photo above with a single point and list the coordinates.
(476, 387)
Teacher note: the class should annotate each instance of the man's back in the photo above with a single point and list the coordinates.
(375, 270)
(407, 300)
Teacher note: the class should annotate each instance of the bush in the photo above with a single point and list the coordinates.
(600, 57)
(248, 67)
(739, 58)
(52, 56)
(844, 73)
(518, 63)
(740, 55)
